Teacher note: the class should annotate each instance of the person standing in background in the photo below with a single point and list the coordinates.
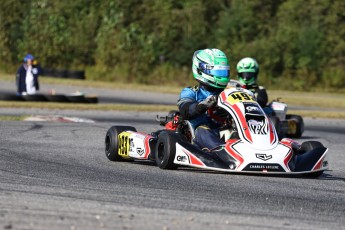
(27, 76)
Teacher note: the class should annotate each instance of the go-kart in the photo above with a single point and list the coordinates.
(251, 143)
(286, 125)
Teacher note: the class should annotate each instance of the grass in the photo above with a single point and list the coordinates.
(322, 100)
(11, 118)
(319, 114)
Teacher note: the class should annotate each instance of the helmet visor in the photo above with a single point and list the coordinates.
(215, 70)
(247, 76)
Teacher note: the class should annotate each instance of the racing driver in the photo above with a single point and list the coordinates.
(247, 72)
(211, 69)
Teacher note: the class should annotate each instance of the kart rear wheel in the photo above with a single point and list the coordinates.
(166, 150)
(299, 125)
(111, 142)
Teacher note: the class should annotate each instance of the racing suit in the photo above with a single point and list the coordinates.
(206, 130)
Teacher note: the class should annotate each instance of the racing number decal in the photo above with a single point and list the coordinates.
(124, 144)
(239, 96)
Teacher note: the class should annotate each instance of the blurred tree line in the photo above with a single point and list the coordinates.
(299, 44)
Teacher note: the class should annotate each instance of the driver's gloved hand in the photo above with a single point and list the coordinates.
(209, 102)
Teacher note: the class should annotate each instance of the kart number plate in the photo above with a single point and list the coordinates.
(239, 97)
(124, 144)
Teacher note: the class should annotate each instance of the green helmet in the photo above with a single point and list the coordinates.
(211, 68)
(247, 71)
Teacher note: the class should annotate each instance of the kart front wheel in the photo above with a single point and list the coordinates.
(309, 146)
(166, 150)
(112, 141)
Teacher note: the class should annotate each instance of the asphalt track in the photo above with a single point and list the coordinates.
(56, 176)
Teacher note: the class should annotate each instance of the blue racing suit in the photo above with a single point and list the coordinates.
(206, 130)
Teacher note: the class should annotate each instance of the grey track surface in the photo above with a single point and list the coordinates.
(56, 176)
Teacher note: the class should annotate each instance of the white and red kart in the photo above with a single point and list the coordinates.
(251, 143)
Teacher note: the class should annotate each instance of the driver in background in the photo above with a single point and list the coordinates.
(247, 72)
(211, 69)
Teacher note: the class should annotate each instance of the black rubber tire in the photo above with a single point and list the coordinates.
(10, 97)
(76, 98)
(76, 74)
(299, 123)
(306, 147)
(166, 150)
(91, 99)
(310, 145)
(314, 174)
(111, 142)
(57, 98)
(34, 97)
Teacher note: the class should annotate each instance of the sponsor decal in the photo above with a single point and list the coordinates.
(140, 151)
(264, 167)
(324, 163)
(131, 144)
(254, 166)
(181, 158)
(263, 156)
(257, 127)
(252, 108)
(192, 159)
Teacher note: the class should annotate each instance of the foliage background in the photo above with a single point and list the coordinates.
(300, 45)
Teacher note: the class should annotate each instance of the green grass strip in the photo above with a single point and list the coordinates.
(11, 118)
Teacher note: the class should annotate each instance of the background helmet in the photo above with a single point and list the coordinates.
(211, 68)
(247, 71)
(28, 57)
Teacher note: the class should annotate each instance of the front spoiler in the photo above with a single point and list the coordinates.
(270, 173)
(311, 162)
